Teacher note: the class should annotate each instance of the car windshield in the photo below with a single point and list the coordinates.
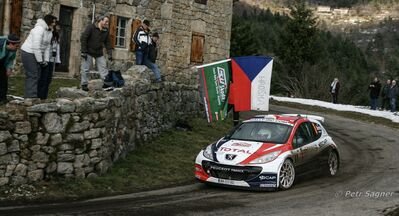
(261, 132)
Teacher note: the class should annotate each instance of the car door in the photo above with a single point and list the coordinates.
(298, 144)
(313, 147)
(304, 146)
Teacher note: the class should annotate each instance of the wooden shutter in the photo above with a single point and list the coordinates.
(134, 26)
(113, 22)
(197, 48)
(16, 17)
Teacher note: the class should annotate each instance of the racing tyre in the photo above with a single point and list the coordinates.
(332, 163)
(286, 175)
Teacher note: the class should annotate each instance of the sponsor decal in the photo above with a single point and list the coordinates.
(262, 177)
(322, 143)
(230, 156)
(266, 179)
(227, 169)
(226, 149)
(241, 144)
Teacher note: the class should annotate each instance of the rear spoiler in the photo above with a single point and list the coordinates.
(314, 117)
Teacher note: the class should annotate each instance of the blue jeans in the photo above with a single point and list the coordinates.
(393, 104)
(373, 103)
(140, 57)
(154, 67)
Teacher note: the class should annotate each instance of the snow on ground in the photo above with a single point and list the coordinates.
(341, 107)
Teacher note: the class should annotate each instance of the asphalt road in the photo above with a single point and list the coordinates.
(367, 184)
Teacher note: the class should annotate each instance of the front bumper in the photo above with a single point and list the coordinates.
(252, 177)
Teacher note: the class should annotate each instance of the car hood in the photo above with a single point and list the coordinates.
(236, 151)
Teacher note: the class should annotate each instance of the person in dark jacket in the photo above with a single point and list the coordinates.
(145, 48)
(393, 95)
(93, 40)
(384, 96)
(8, 48)
(153, 49)
(374, 88)
(334, 90)
(152, 57)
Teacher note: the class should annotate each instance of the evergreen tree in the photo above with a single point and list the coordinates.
(298, 45)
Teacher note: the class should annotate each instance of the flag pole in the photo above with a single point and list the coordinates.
(236, 117)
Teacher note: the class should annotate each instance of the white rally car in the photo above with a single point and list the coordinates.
(267, 152)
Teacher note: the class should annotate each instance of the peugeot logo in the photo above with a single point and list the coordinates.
(230, 156)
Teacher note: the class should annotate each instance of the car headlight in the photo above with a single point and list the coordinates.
(208, 152)
(266, 158)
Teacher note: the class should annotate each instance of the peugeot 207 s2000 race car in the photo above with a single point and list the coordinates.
(267, 152)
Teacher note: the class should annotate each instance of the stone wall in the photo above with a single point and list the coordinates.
(81, 134)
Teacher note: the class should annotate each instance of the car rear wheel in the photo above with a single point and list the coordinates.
(287, 175)
(333, 163)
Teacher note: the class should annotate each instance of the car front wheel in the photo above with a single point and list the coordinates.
(287, 175)
(333, 163)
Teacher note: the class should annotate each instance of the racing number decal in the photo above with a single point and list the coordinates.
(302, 153)
(299, 154)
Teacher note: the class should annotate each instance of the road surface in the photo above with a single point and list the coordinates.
(367, 184)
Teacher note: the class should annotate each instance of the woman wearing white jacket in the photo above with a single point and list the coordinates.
(35, 53)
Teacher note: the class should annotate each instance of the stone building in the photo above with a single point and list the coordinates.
(191, 31)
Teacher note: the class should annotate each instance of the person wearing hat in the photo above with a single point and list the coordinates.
(93, 40)
(8, 48)
(142, 40)
(35, 53)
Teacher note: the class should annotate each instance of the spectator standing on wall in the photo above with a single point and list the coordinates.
(35, 53)
(142, 40)
(334, 90)
(93, 40)
(152, 57)
(384, 95)
(374, 88)
(8, 49)
(47, 74)
(393, 94)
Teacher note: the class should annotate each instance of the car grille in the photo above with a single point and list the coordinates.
(241, 173)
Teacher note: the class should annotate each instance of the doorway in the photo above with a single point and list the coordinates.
(65, 20)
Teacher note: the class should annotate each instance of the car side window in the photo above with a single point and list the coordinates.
(302, 136)
(316, 130)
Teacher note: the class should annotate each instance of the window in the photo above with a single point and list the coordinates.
(201, 1)
(117, 31)
(197, 48)
(120, 40)
(302, 136)
(316, 131)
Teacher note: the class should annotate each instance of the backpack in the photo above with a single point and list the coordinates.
(114, 78)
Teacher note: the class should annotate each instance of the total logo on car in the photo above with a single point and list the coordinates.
(268, 152)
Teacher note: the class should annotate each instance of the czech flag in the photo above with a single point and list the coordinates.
(250, 87)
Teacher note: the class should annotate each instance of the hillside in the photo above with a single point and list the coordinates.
(372, 25)
(360, 21)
